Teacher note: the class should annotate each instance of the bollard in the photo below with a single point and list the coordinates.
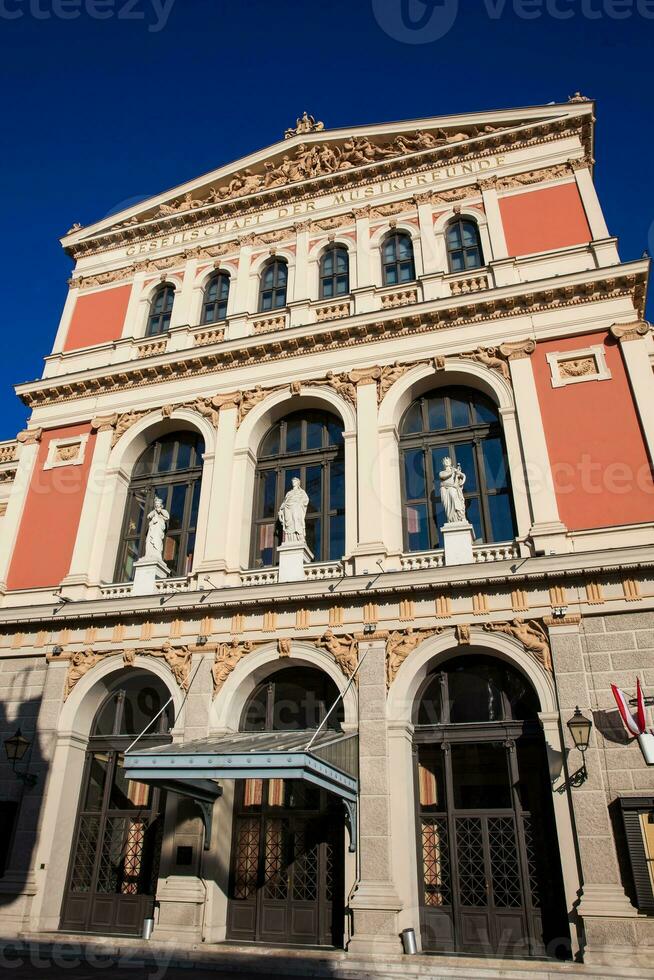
(148, 926)
(409, 941)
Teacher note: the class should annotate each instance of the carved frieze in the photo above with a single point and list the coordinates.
(177, 658)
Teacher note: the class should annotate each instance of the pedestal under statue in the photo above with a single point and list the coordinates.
(293, 551)
(458, 533)
(152, 566)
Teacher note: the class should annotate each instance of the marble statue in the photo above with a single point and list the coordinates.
(292, 513)
(157, 525)
(452, 482)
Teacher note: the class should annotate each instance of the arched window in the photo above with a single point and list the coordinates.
(308, 445)
(463, 424)
(334, 272)
(170, 468)
(292, 699)
(397, 259)
(474, 689)
(112, 878)
(464, 245)
(272, 285)
(216, 294)
(161, 308)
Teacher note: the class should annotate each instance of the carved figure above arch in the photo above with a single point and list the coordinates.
(400, 644)
(344, 650)
(532, 636)
(226, 658)
(80, 662)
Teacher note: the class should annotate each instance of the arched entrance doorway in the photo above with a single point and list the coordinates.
(114, 863)
(287, 857)
(489, 869)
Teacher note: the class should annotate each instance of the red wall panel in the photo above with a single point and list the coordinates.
(98, 318)
(48, 528)
(597, 452)
(541, 220)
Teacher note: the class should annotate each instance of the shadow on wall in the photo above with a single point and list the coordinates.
(22, 788)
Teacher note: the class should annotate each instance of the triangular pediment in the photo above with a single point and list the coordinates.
(311, 155)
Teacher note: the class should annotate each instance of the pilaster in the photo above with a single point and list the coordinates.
(494, 222)
(30, 440)
(183, 313)
(636, 346)
(375, 904)
(369, 547)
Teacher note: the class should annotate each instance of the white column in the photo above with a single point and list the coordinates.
(66, 317)
(212, 542)
(28, 453)
(239, 521)
(517, 471)
(369, 547)
(137, 308)
(239, 295)
(78, 577)
(351, 493)
(391, 489)
(182, 314)
(547, 531)
(300, 298)
(637, 347)
(494, 222)
(590, 201)
(364, 293)
(430, 260)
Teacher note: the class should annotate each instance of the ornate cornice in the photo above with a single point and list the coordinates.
(283, 344)
(244, 194)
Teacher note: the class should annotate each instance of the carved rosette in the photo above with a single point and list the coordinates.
(532, 636)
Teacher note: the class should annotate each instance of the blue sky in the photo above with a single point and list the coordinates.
(109, 101)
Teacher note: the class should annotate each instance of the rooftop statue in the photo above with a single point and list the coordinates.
(305, 124)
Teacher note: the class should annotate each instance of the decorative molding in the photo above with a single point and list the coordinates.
(336, 338)
(165, 263)
(462, 633)
(228, 655)
(399, 297)
(400, 644)
(572, 367)
(570, 619)
(284, 646)
(66, 452)
(532, 636)
(344, 650)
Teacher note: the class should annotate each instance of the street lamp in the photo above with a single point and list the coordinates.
(16, 746)
(580, 728)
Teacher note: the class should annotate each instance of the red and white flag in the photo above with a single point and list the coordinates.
(637, 725)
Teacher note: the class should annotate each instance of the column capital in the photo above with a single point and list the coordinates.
(104, 423)
(518, 350)
(630, 331)
(28, 437)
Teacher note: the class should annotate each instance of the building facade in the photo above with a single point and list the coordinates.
(381, 742)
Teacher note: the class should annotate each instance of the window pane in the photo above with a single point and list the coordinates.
(406, 271)
(146, 461)
(97, 777)
(473, 514)
(389, 250)
(432, 771)
(414, 470)
(484, 412)
(341, 261)
(328, 263)
(266, 301)
(464, 453)
(136, 513)
(342, 285)
(280, 298)
(268, 276)
(469, 234)
(337, 485)
(177, 502)
(405, 249)
(282, 273)
(436, 413)
(494, 464)
(269, 493)
(335, 433)
(327, 288)
(314, 435)
(475, 695)
(265, 545)
(314, 538)
(390, 275)
(473, 258)
(270, 445)
(314, 488)
(190, 550)
(480, 775)
(454, 236)
(289, 476)
(337, 537)
(127, 794)
(502, 526)
(171, 552)
(460, 412)
(166, 456)
(417, 527)
(195, 503)
(413, 419)
(184, 455)
(293, 435)
(457, 262)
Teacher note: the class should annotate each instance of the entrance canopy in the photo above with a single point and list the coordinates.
(327, 759)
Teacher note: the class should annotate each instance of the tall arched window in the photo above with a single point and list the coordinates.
(161, 308)
(463, 424)
(170, 468)
(464, 245)
(397, 259)
(334, 272)
(308, 445)
(272, 285)
(114, 867)
(216, 294)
